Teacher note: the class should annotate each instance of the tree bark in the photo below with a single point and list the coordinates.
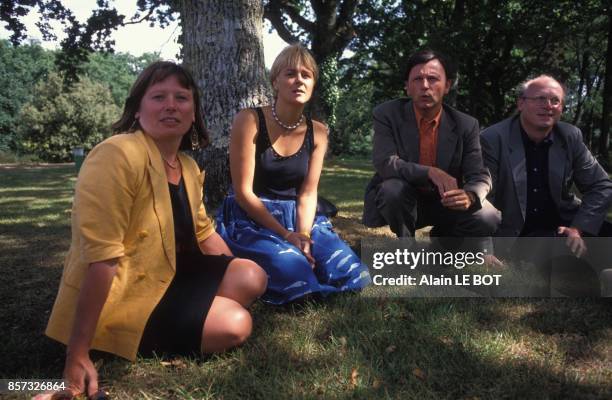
(606, 119)
(223, 47)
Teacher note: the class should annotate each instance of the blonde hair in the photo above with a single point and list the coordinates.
(292, 56)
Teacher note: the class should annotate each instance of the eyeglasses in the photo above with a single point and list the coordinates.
(543, 100)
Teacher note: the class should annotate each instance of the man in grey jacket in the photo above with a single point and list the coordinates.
(429, 167)
(534, 160)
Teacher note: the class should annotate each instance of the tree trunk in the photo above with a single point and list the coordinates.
(223, 47)
(606, 119)
(587, 129)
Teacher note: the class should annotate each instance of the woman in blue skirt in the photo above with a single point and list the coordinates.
(276, 158)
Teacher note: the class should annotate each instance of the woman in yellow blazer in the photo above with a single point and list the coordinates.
(146, 271)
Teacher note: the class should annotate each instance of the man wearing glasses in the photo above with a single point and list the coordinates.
(534, 160)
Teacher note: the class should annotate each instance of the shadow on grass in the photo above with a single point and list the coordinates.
(581, 327)
(443, 339)
(355, 348)
(348, 347)
(35, 234)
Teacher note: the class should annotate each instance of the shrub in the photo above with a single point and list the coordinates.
(58, 119)
(353, 133)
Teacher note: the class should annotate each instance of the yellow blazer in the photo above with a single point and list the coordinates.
(122, 209)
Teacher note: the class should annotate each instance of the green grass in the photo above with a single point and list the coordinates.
(349, 347)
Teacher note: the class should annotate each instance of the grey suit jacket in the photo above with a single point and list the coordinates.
(569, 162)
(395, 152)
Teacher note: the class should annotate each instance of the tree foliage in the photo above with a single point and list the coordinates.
(56, 120)
(117, 71)
(82, 39)
(354, 121)
(226, 34)
(606, 122)
(23, 71)
(20, 69)
(325, 26)
(496, 44)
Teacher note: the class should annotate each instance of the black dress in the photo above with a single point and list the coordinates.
(175, 325)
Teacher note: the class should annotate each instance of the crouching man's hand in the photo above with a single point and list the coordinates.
(574, 240)
(458, 199)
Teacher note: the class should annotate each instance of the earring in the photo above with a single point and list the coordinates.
(133, 126)
(195, 143)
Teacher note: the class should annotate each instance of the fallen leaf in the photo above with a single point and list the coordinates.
(354, 376)
(419, 373)
(342, 340)
(446, 340)
(390, 349)
(377, 383)
(178, 363)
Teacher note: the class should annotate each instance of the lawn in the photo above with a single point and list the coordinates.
(349, 347)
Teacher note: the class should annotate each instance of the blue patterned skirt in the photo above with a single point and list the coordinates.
(290, 276)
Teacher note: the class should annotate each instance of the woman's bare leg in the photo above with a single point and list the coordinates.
(228, 324)
(244, 281)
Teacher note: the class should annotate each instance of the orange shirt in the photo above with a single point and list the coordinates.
(428, 138)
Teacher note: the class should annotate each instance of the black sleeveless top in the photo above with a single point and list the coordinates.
(276, 176)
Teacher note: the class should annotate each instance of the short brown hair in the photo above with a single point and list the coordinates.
(425, 56)
(154, 73)
(292, 56)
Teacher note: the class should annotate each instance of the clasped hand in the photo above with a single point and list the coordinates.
(452, 197)
(303, 243)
